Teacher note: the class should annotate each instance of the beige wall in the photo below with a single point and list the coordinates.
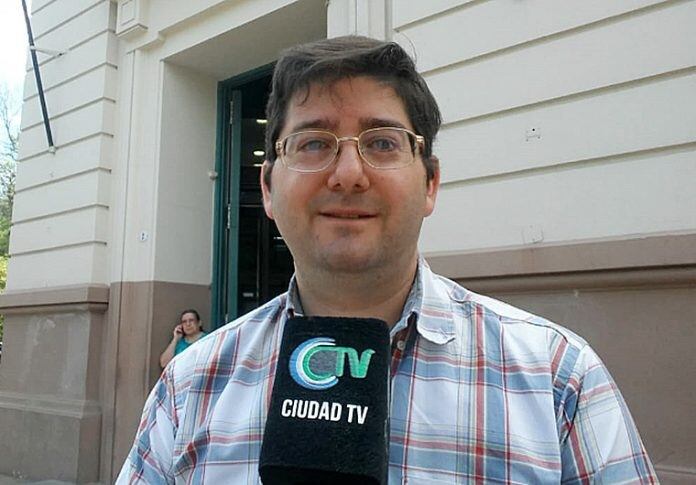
(60, 223)
(184, 188)
(608, 89)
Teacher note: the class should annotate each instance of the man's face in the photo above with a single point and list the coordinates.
(350, 217)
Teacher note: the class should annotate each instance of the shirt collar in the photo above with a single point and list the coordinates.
(428, 304)
(432, 306)
(293, 304)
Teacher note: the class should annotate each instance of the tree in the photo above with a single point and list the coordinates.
(9, 153)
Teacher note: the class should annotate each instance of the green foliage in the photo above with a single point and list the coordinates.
(3, 279)
(8, 169)
(9, 152)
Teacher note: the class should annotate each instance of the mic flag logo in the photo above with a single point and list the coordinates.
(306, 373)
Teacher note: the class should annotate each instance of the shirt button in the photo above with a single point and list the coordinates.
(400, 345)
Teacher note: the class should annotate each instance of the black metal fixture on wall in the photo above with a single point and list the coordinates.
(37, 75)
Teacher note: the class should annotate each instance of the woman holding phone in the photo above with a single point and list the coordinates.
(187, 332)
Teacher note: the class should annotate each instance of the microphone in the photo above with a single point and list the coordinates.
(328, 421)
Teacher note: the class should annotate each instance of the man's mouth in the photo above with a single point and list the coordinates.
(350, 215)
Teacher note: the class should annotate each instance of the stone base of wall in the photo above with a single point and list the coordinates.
(50, 411)
(43, 444)
(675, 476)
(141, 317)
(74, 376)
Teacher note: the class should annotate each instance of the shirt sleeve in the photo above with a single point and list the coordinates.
(150, 459)
(599, 440)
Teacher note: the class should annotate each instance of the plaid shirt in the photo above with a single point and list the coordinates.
(481, 392)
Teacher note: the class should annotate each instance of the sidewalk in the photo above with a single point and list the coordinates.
(5, 480)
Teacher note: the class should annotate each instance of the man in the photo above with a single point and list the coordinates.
(481, 391)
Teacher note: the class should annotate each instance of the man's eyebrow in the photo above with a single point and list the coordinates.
(367, 123)
(315, 124)
(328, 125)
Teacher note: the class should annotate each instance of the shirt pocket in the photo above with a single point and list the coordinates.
(221, 448)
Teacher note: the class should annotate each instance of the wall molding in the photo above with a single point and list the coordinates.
(49, 404)
(670, 474)
(656, 252)
(55, 299)
(670, 277)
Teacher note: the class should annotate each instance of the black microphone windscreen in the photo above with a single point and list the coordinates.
(328, 418)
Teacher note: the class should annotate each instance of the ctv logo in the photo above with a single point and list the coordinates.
(302, 372)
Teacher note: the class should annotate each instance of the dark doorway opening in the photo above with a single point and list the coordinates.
(265, 263)
(253, 263)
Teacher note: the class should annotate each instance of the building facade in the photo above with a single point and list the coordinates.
(568, 156)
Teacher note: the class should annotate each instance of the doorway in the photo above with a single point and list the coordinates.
(252, 262)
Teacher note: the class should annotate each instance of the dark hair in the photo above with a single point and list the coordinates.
(331, 60)
(190, 310)
(195, 312)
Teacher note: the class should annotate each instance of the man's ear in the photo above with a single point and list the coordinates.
(266, 170)
(432, 186)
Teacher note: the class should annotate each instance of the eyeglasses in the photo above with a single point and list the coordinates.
(381, 148)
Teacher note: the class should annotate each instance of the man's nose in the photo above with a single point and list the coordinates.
(348, 171)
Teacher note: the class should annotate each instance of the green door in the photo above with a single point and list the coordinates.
(251, 262)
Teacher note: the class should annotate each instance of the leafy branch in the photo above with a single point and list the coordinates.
(9, 154)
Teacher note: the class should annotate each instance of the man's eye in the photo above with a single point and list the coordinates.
(382, 144)
(313, 145)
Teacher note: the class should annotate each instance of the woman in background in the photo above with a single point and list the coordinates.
(186, 333)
